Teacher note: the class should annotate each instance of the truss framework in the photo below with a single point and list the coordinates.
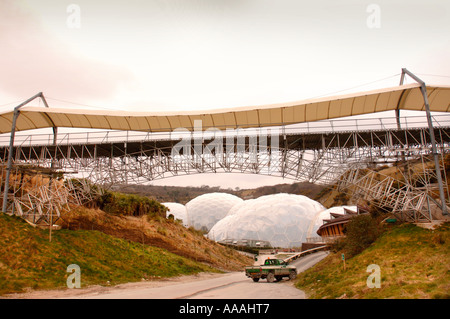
(402, 196)
(41, 196)
(314, 157)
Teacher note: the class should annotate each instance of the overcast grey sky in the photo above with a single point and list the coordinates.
(204, 54)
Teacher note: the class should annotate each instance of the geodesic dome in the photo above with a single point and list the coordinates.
(178, 211)
(233, 210)
(281, 219)
(206, 210)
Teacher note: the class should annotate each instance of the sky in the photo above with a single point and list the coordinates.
(172, 55)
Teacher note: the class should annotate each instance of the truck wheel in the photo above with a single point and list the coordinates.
(270, 277)
(255, 279)
(292, 275)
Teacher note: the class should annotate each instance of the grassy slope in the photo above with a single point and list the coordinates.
(414, 263)
(28, 259)
(157, 232)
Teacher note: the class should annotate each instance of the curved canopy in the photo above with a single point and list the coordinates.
(404, 97)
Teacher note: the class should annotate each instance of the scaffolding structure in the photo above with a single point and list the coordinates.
(351, 157)
(412, 197)
(41, 196)
(317, 157)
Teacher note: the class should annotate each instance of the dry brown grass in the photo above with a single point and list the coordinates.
(157, 232)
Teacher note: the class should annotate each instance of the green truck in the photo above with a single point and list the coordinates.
(273, 269)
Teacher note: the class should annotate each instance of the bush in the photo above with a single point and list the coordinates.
(361, 231)
(130, 205)
(377, 211)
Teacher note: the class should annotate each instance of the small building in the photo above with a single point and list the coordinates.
(334, 227)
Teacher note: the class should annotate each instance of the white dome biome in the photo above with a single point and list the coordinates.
(206, 210)
(233, 210)
(178, 211)
(281, 219)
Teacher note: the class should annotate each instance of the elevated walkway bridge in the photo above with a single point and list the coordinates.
(304, 141)
(315, 152)
(343, 151)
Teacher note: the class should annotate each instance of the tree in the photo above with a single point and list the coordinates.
(361, 232)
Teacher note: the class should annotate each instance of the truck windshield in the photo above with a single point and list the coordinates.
(272, 262)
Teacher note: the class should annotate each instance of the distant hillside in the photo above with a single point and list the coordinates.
(303, 188)
(182, 195)
(177, 194)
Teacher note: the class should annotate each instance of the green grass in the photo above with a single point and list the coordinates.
(414, 263)
(29, 260)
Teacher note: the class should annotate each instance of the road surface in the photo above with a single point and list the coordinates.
(233, 285)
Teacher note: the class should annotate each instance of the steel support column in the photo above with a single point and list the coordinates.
(423, 89)
(11, 145)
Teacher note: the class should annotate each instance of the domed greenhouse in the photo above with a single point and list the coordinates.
(206, 210)
(178, 211)
(285, 220)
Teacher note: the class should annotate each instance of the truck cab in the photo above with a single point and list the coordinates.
(274, 262)
(273, 269)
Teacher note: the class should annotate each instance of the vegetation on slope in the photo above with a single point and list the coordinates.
(131, 241)
(129, 205)
(158, 232)
(29, 260)
(414, 263)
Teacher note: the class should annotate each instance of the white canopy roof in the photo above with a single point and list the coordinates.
(404, 97)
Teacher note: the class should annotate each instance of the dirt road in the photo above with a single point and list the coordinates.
(203, 286)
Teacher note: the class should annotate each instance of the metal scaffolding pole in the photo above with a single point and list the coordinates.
(11, 145)
(423, 89)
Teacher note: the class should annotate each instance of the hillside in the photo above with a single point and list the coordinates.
(182, 195)
(109, 250)
(177, 194)
(302, 188)
(414, 263)
(157, 232)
